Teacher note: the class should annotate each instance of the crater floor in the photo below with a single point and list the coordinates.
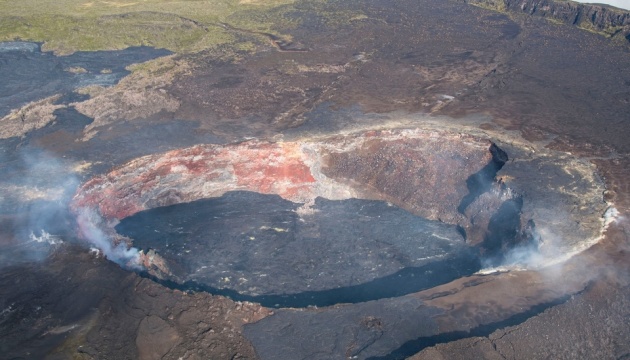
(258, 245)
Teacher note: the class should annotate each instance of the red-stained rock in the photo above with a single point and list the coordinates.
(424, 172)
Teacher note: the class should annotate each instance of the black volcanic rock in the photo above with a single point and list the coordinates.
(603, 307)
(95, 310)
(29, 74)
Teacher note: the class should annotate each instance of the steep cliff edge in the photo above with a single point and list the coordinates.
(605, 20)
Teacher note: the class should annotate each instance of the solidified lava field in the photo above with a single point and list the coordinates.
(261, 248)
(305, 179)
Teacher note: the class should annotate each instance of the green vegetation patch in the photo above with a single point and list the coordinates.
(496, 5)
(65, 26)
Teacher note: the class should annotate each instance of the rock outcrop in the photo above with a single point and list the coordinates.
(611, 22)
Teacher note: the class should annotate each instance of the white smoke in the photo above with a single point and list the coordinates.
(39, 191)
(45, 237)
(36, 188)
(90, 229)
(610, 216)
(547, 251)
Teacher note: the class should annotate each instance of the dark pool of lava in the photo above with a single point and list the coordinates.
(342, 219)
(346, 251)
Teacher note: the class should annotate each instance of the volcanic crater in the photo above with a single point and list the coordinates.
(338, 219)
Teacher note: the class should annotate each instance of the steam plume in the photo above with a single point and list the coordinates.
(89, 221)
(39, 188)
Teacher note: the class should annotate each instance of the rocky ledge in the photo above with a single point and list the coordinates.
(609, 21)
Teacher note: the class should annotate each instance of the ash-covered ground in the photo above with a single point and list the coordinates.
(420, 178)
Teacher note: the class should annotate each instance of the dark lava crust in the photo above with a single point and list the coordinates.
(29, 74)
(258, 246)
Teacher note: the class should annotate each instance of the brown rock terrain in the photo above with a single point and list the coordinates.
(115, 314)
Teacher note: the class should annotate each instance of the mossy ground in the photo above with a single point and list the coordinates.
(65, 26)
